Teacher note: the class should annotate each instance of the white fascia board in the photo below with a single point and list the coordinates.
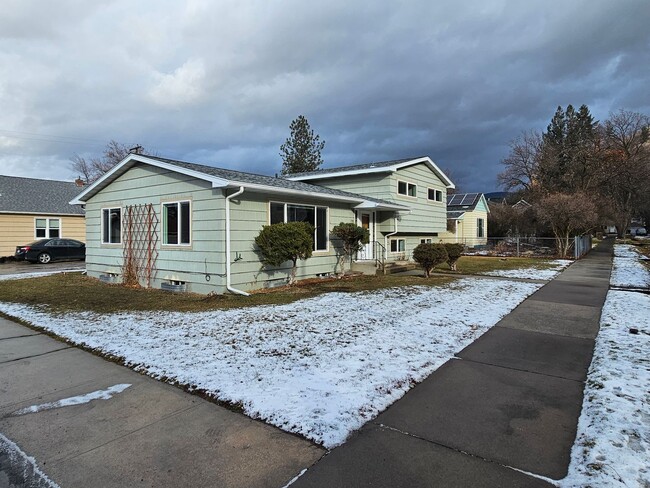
(52, 214)
(350, 172)
(368, 205)
(138, 158)
(381, 169)
(485, 202)
(289, 191)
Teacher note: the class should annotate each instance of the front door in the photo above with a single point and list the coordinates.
(366, 220)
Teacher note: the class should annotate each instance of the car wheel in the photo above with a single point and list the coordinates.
(44, 258)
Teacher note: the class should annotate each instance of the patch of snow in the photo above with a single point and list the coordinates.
(38, 274)
(21, 469)
(612, 446)
(75, 400)
(628, 271)
(533, 273)
(320, 367)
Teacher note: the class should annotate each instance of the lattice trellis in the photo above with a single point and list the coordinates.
(140, 237)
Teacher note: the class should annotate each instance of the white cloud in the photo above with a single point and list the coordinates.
(183, 87)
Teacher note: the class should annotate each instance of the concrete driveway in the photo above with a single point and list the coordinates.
(25, 268)
(150, 434)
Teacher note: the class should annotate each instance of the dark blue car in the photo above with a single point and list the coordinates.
(46, 250)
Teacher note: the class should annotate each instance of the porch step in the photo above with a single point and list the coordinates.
(399, 267)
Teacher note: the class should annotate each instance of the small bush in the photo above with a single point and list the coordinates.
(429, 256)
(279, 243)
(454, 252)
(351, 237)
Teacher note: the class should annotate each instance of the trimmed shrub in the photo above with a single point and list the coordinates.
(454, 252)
(279, 243)
(429, 256)
(351, 237)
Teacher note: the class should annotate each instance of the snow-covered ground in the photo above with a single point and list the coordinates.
(19, 469)
(319, 367)
(612, 447)
(628, 271)
(550, 270)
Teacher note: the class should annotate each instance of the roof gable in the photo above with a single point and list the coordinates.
(34, 196)
(376, 167)
(226, 178)
(466, 202)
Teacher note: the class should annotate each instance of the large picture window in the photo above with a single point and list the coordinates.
(176, 223)
(111, 225)
(47, 228)
(316, 216)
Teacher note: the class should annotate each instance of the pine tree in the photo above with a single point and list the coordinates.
(301, 151)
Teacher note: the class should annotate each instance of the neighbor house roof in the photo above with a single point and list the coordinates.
(377, 167)
(34, 196)
(459, 203)
(227, 178)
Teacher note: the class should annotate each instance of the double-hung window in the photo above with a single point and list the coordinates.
(397, 245)
(434, 195)
(313, 215)
(111, 225)
(480, 228)
(407, 189)
(176, 223)
(47, 228)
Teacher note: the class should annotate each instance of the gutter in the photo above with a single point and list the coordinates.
(228, 285)
(390, 234)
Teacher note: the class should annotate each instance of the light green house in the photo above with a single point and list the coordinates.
(186, 226)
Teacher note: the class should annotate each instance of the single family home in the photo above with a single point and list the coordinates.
(32, 209)
(188, 226)
(467, 214)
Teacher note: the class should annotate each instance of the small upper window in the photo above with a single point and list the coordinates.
(434, 195)
(111, 225)
(47, 228)
(408, 189)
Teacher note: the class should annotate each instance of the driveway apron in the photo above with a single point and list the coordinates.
(150, 434)
(503, 412)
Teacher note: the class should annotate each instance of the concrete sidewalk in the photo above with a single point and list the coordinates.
(511, 399)
(149, 435)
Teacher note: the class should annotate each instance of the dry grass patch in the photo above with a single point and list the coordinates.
(75, 292)
(483, 264)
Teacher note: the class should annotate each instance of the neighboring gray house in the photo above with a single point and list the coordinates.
(193, 226)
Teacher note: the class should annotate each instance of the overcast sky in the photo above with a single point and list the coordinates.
(218, 82)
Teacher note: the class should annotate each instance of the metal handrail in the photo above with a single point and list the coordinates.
(380, 255)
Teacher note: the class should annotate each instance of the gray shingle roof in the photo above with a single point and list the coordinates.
(30, 195)
(454, 214)
(252, 178)
(352, 167)
(463, 201)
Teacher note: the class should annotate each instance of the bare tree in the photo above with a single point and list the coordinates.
(626, 181)
(522, 163)
(92, 169)
(567, 215)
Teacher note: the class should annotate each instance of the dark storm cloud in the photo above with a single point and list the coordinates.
(219, 83)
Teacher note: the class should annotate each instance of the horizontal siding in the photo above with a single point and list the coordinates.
(19, 229)
(206, 255)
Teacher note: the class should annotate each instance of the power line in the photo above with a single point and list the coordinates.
(17, 134)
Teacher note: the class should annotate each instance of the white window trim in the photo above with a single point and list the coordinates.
(435, 192)
(390, 250)
(327, 218)
(47, 227)
(101, 228)
(162, 217)
(407, 189)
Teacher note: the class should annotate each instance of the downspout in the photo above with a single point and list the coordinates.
(228, 287)
(390, 234)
